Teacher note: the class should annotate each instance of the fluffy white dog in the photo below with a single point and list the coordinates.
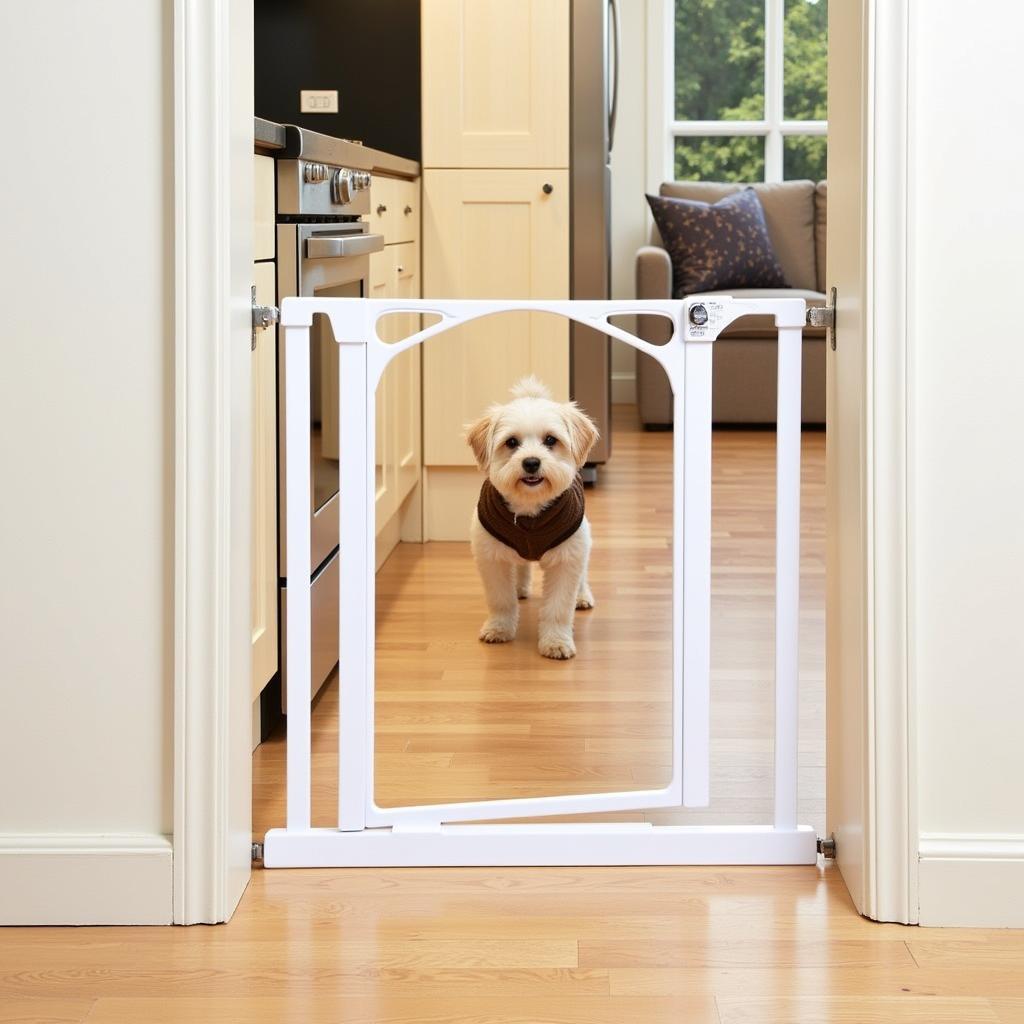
(530, 510)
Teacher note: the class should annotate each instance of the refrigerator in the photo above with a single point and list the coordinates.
(593, 94)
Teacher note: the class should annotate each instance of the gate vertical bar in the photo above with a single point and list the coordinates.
(355, 615)
(787, 577)
(696, 563)
(298, 502)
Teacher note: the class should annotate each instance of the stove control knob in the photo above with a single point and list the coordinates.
(342, 186)
(315, 173)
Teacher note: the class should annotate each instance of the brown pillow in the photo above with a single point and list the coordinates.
(716, 246)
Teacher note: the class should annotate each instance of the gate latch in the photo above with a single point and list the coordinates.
(262, 316)
(825, 316)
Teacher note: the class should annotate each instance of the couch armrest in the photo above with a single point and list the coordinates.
(653, 273)
(653, 281)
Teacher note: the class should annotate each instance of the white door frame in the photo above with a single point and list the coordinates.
(892, 890)
(209, 571)
(878, 849)
(213, 119)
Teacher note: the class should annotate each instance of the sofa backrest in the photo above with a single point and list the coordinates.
(796, 214)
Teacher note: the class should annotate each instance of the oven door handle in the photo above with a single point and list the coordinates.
(322, 247)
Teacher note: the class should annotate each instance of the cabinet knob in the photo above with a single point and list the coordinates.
(407, 210)
(381, 209)
(548, 188)
(400, 269)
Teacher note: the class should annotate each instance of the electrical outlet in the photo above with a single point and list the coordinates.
(318, 101)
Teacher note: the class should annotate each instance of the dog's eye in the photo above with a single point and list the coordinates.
(512, 442)
(550, 442)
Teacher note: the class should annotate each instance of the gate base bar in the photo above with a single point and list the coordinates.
(555, 845)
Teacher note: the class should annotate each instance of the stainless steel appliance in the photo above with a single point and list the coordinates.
(323, 248)
(594, 93)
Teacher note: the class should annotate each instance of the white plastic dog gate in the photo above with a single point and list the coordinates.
(368, 835)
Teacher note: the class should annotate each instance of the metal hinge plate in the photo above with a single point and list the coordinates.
(257, 852)
(262, 317)
(825, 316)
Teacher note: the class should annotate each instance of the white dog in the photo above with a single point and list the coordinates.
(531, 510)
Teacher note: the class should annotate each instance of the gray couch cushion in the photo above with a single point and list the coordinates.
(789, 214)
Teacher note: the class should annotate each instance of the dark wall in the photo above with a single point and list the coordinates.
(369, 51)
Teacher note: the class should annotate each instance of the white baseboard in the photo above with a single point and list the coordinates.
(972, 881)
(85, 879)
(623, 388)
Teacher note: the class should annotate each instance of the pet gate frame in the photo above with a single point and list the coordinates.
(371, 836)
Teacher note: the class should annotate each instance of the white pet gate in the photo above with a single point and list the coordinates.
(371, 836)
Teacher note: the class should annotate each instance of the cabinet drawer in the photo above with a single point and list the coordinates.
(395, 209)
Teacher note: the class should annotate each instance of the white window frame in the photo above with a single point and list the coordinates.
(773, 128)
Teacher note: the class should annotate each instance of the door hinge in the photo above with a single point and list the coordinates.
(262, 317)
(827, 847)
(257, 852)
(825, 316)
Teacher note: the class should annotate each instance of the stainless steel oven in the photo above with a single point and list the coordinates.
(323, 249)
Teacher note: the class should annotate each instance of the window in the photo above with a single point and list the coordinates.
(748, 89)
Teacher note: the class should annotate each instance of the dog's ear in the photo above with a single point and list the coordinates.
(582, 432)
(478, 437)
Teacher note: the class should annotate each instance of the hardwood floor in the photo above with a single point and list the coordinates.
(573, 946)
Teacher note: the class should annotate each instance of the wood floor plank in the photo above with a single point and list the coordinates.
(43, 1010)
(1009, 1011)
(404, 1010)
(861, 1009)
(768, 983)
(773, 953)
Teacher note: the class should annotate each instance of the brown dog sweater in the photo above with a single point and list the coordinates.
(532, 536)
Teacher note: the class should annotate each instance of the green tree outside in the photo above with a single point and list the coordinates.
(719, 75)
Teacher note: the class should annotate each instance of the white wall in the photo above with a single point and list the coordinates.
(630, 225)
(967, 494)
(87, 430)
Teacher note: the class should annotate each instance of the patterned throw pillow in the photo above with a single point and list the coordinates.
(716, 246)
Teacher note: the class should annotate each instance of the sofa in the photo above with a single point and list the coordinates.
(743, 390)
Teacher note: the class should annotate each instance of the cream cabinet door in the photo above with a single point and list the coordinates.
(405, 377)
(382, 287)
(495, 83)
(491, 234)
(264, 490)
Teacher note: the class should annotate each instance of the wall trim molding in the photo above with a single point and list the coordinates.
(971, 880)
(211, 560)
(971, 846)
(83, 879)
(623, 387)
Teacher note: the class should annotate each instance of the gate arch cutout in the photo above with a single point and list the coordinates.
(371, 836)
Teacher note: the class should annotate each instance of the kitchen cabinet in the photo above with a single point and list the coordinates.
(394, 273)
(495, 83)
(488, 234)
(264, 490)
(396, 209)
(495, 221)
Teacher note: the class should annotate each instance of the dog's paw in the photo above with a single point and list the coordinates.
(497, 632)
(558, 648)
(584, 600)
(523, 592)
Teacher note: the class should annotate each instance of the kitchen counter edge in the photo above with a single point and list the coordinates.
(291, 142)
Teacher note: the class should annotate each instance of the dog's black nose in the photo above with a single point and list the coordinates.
(531, 465)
